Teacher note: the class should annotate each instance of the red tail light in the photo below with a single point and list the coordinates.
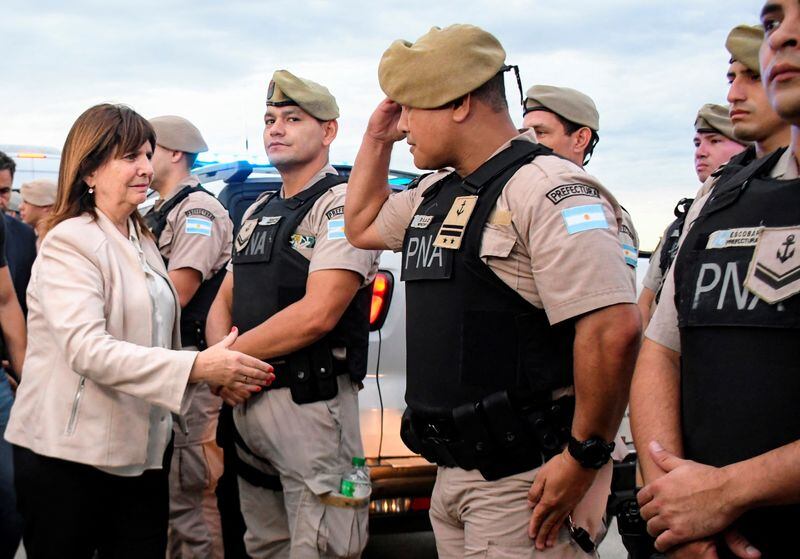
(381, 296)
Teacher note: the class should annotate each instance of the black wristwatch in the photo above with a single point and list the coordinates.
(591, 453)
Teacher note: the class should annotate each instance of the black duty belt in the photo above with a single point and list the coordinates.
(501, 435)
(287, 376)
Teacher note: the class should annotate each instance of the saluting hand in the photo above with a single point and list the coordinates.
(559, 485)
(382, 125)
(220, 366)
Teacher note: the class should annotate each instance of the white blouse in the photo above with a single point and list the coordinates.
(163, 316)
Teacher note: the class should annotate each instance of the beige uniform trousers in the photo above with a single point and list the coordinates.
(310, 447)
(473, 518)
(197, 464)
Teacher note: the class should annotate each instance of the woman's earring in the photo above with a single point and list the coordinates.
(91, 190)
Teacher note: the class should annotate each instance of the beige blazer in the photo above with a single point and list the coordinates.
(90, 376)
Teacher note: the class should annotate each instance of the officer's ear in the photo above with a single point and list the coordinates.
(582, 138)
(461, 108)
(329, 129)
(176, 156)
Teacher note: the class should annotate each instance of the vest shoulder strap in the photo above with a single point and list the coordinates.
(729, 188)
(323, 185)
(415, 183)
(520, 151)
(736, 162)
(157, 219)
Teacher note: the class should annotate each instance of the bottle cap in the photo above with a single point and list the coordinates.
(359, 461)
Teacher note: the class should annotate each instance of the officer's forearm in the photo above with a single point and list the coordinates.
(186, 281)
(13, 322)
(220, 319)
(606, 342)
(645, 303)
(770, 479)
(294, 328)
(655, 405)
(328, 294)
(367, 190)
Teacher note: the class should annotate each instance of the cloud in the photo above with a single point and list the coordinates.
(648, 65)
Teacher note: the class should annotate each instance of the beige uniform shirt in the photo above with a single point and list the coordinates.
(320, 235)
(552, 237)
(663, 327)
(654, 276)
(630, 242)
(198, 233)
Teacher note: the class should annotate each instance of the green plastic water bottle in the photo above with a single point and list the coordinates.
(356, 482)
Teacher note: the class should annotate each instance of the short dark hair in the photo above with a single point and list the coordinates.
(571, 127)
(493, 93)
(7, 164)
(190, 158)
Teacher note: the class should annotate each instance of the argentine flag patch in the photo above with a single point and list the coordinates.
(631, 255)
(198, 226)
(584, 218)
(335, 229)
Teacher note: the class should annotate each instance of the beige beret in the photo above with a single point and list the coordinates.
(569, 104)
(744, 42)
(39, 192)
(715, 118)
(443, 65)
(315, 99)
(177, 133)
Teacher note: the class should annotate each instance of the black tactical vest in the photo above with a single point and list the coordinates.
(740, 357)
(271, 275)
(669, 248)
(194, 314)
(469, 334)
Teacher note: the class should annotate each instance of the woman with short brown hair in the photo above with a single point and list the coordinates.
(92, 420)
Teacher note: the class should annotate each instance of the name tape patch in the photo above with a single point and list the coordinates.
(270, 219)
(729, 238)
(565, 191)
(421, 221)
(584, 218)
(335, 212)
(336, 229)
(198, 226)
(202, 212)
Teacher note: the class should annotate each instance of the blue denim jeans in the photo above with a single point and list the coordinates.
(10, 520)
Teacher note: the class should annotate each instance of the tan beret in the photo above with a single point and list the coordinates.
(744, 42)
(315, 99)
(715, 118)
(569, 104)
(177, 133)
(39, 192)
(443, 65)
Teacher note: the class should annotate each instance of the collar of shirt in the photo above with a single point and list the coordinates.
(527, 135)
(786, 168)
(326, 170)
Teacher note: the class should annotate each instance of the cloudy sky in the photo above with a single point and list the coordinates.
(648, 64)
